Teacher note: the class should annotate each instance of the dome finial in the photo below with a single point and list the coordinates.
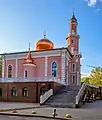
(45, 34)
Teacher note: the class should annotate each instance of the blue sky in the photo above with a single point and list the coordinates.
(24, 21)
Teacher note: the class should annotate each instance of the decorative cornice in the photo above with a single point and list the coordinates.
(37, 54)
(29, 64)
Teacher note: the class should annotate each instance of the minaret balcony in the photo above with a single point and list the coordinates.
(73, 34)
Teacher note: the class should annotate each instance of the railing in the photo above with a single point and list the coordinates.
(34, 79)
(80, 93)
(44, 97)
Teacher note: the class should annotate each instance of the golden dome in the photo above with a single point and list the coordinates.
(44, 44)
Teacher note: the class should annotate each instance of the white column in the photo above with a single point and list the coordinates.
(16, 68)
(63, 67)
(46, 65)
(3, 67)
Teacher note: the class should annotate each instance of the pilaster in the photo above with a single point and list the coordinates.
(3, 66)
(78, 78)
(63, 67)
(16, 68)
(46, 66)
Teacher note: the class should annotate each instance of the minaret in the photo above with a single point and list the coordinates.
(73, 46)
(73, 37)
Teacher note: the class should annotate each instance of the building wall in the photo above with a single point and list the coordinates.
(44, 66)
(75, 73)
(20, 71)
(10, 62)
(40, 66)
(56, 59)
(33, 91)
(39, 70)
(31, 70)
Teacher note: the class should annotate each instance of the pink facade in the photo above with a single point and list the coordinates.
(56, 59)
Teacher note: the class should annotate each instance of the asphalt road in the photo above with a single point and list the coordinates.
(90, 111)
(3, 117)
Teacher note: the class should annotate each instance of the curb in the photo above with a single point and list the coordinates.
(10, 109)
(40, 116)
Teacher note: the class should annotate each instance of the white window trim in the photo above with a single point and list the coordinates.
(24, 92)
(7, 71)
(56, 68)
(14, 95)
(72, 50)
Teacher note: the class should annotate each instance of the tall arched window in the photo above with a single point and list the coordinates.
(73, 80)
(73, 67)
(0, 91)
(13, 92)
(25, 74)
(10, 71)
(54, 69)
(24, 92)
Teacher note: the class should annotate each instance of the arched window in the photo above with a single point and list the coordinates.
(14, 92)
(9, 71)
(24, 92)
(43, 90)
(0, 91)
(73, 67)
(54, 69)
(73, 80)
(25, 74)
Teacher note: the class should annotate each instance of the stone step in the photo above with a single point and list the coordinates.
(65, 97)
(60, 105)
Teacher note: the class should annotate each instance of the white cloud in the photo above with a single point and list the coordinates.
(97, 10)
(92, 3)
(85, 74)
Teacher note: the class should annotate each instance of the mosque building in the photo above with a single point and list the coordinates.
(27, 75)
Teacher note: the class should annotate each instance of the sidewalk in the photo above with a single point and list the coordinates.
(5, 106)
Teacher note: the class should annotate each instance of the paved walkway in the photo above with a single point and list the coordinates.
(90, 111)
(13, 105)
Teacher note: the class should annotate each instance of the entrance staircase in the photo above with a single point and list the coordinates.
(64, 98)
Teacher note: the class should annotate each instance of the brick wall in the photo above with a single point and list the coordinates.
(33, 91)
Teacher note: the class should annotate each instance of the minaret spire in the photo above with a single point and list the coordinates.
(73, 11)
(45, 34)
(29, 58)
(29, 46)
